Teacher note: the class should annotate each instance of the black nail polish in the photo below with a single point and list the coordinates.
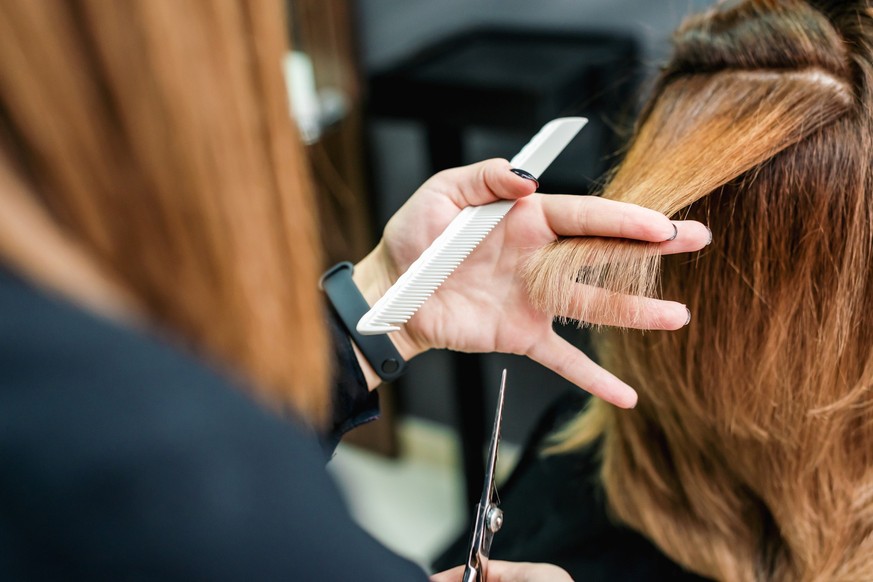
(526, 176)
(675, 233)
(687, 321)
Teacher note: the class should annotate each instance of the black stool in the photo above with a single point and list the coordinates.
(511, 81)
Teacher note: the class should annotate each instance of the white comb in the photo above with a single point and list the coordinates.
(462, 235)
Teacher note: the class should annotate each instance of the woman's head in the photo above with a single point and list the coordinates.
(149, 169)
(750, 455)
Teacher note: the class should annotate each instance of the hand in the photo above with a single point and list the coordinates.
(510, 572)
(483, 306)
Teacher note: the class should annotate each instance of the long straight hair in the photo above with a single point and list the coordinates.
(149, 170)
(750, 453)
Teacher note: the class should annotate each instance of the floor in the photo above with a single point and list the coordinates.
(412, 504)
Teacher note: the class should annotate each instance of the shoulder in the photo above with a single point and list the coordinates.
(76, 386)
(122, 454)
(52, 348)
(87, 405)
(78, 391)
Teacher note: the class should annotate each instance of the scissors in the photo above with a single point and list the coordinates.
(489, 517)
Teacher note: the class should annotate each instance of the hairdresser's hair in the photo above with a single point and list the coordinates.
(750, 454)
(149, 170)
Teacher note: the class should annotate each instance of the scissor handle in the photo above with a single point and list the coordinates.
(489, 521)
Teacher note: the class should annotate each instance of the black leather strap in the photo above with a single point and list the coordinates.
(350, 306)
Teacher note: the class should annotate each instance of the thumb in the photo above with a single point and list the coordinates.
(481, 183)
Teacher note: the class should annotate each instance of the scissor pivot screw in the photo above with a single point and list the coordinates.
(494, 519)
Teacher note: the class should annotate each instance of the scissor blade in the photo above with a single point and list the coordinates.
(476, 569)
(491, 463)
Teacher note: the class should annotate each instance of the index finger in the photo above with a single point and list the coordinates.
(595, 216)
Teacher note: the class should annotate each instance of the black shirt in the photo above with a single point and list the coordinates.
(121, 458)
(555, 512)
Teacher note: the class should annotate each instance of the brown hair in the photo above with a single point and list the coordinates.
(750, 454)
(149, 169)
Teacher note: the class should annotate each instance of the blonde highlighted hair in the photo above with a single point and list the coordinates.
(149, 170)
(750, 454)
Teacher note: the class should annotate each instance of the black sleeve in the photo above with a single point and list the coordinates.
(353, 403)
(121, 459)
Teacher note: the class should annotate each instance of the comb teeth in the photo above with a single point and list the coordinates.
(426, 274)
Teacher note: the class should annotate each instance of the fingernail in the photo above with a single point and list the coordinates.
(709, 230)
(688, 319)
(526, 176)
(675, 233)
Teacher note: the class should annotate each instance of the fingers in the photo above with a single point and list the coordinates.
(501, 571)
(601, 307)
(594, 216)
(570, 216)
(453, 575)
(558, 355)
(482, 183)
